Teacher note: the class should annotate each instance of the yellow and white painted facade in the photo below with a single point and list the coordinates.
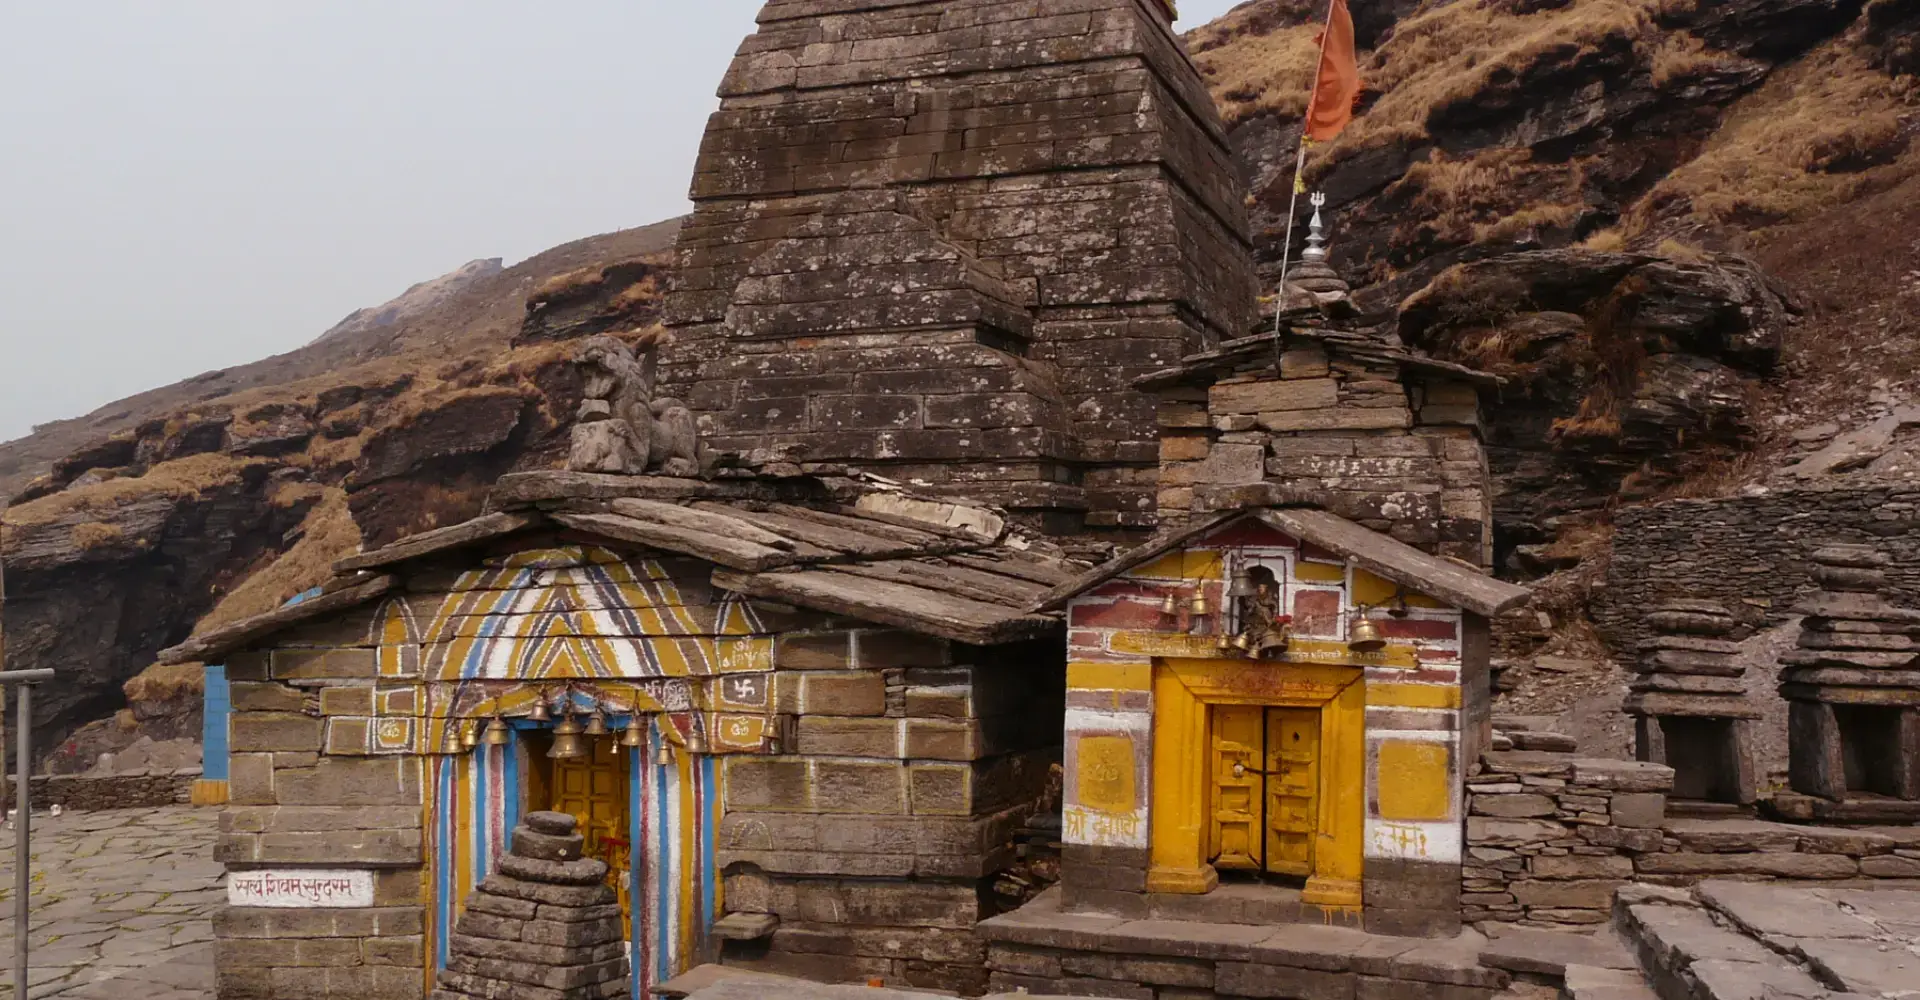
(1315, 764)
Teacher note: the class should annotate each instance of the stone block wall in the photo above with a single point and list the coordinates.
(1750, 554)
(911, 763)
(1352, 434)
(291, 806)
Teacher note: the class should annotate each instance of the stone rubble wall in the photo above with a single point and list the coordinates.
(1751, 554)
(94, 792)
(1347, 434)
(1551, 837)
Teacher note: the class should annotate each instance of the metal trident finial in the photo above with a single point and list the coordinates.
(1316, 229)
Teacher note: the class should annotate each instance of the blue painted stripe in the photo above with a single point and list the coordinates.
(663, 876)
(216, 716)
(510, 755)
(636, 867)
(703, 801)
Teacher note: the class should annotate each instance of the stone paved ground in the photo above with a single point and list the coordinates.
(122, 905)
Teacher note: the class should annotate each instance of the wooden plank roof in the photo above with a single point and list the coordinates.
(932, 566)
(1380, 554)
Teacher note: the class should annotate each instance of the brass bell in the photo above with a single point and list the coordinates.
(498, 735)
(540, 711)
(596, 723)
(1242, 585)
(1225, 643)
(1169, 605)
(663, 757)
(696, 740)
(1242, 643)
(1199, 607)
(568, 744)
(469, 735)
(1366, 637)
(635, 735)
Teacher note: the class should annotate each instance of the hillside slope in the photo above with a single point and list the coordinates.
(225, 495)
(482, 309)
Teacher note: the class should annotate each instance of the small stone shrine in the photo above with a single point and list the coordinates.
(1853, 692)
(1689, 703)
(546, 926)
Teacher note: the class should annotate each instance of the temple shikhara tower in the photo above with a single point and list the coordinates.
(939, 240)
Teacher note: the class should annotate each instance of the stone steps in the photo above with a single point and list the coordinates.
(1688, 953)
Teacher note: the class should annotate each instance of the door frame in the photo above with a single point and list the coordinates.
(1178, 825)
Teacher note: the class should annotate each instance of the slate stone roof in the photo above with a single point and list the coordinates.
(1382, 555)
(942, 568)
(1359, 346)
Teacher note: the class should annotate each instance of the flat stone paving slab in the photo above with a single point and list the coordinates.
(1863, 940)
(122, 905)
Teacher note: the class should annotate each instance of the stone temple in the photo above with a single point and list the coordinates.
(967, 595)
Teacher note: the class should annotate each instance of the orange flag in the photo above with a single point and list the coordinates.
(1338, 85)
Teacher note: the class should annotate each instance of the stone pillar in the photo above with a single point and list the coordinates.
(1690, 703)
(1853, 683)
(546, 926)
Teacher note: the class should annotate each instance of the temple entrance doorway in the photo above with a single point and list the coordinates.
(1265, 790)
(596, 791)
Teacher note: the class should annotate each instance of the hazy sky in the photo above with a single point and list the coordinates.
(188, 185)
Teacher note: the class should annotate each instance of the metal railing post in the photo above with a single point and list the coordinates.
(23, 681)
(22, 883)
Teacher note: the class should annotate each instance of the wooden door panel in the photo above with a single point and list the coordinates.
(1235, 840)
(1292, 761)
(593, 789)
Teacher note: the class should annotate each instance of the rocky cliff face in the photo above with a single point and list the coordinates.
(1612, 203)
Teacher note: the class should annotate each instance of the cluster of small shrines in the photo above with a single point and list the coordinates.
(964, 502)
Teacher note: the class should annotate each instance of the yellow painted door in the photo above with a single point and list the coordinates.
(1237, 740)
(1292, 783)
(594, 790)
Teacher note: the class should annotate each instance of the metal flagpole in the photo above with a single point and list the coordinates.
(1299, 171)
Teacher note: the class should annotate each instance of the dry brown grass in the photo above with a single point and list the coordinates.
(639, 295)
(1252, 73)
(91, 535)
(1496, 194)
(186, 477)
(1818, 133)
(569, 284)
(1681, 56)
(1450, 53)
(327, 534)
(1610, 240)
(166, 682)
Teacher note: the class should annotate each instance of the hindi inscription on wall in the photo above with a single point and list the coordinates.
(301, 889)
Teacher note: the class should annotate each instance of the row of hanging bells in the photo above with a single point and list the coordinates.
(570, 737)
(1366, 637)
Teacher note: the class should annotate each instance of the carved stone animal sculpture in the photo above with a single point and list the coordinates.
(623, 430)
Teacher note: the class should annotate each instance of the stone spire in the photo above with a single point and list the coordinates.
(1314, 275)
(937, 242)
(545, 925)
